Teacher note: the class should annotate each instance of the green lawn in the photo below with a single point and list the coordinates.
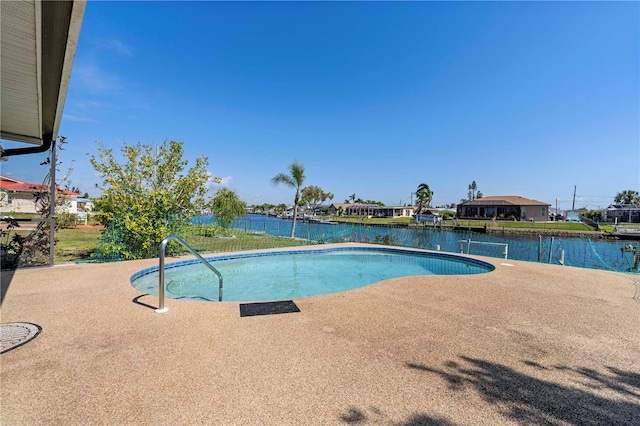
(508, 224)
(75, 243)
(238, 241)
(20, 215)
(79, 243)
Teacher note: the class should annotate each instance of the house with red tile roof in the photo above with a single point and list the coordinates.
(19, 197)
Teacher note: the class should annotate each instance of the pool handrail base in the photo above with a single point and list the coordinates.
(163, 246)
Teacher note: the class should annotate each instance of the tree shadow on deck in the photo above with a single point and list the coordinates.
(373, 415)
(531, 400)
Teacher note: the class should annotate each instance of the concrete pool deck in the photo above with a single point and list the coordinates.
(525, 344)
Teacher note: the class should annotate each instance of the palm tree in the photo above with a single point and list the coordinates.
(294, 179)
(227, 207)
(627, 197)
(424, 195)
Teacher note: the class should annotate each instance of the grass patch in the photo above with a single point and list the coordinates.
(21, 215)
(239, 241)
(606, 229)
(76, 243)
(507, 224)
(80, 243)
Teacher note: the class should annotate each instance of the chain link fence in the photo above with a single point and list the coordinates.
(255, 232)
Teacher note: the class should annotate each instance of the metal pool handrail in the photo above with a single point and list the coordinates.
(163, 246)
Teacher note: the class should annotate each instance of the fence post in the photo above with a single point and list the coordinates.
(539, 248)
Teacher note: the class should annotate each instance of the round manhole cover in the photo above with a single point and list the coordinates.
(14, 334)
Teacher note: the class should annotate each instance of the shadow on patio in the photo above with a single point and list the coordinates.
(531, 400)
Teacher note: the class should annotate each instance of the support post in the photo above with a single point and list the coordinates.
(539, 248)
(52, 207)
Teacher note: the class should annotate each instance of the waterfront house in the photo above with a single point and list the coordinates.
(504, 207)
(371, 210)
(629, 213)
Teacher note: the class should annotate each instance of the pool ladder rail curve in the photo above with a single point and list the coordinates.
(163, 246)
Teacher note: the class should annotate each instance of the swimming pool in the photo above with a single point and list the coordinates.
(293, 274)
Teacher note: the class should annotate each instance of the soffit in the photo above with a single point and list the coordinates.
(38, 44)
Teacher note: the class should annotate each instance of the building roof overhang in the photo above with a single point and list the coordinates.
(12, 185)
(508, 200)
(38, 46)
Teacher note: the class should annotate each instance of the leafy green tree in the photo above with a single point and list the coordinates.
(591, 214)
(627, 197)
(227, 207)
(424, 195)
(294, 179)
(314, 196)
(141, 193)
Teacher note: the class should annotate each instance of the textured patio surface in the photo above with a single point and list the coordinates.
(525, 344)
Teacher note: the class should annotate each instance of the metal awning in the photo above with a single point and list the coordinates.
(37, 48)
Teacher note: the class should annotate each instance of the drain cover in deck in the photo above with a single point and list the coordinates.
(14, 334)
(268, 308)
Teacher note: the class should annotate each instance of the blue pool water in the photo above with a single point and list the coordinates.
(295, 274)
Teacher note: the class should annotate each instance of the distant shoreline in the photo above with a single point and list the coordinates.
(491, 230)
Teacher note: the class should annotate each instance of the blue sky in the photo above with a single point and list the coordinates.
(373, 98)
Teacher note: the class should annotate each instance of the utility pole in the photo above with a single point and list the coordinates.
(573, 205)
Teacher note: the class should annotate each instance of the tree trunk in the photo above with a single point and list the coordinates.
(295, 215)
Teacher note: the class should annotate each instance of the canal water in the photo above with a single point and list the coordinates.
(579, 251)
